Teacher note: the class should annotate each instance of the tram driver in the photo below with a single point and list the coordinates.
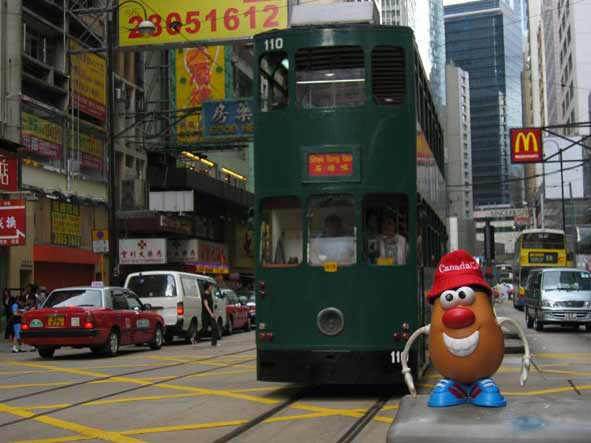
(334, 244)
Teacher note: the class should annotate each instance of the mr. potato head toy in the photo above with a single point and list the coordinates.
(466, 342)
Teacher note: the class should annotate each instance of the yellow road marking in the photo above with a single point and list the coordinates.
(20, 372)
(53, 440)
(86, 431)
(547, 391)
(34, 385)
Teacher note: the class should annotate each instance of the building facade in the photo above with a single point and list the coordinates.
(484, 39)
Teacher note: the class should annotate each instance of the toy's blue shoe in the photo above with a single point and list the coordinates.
(448, 393)
(486, 393)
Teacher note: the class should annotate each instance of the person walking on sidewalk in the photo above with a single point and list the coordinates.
(208, 315)
(16, 309)
(6, 304)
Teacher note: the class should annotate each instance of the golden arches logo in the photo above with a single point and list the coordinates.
(524, 140)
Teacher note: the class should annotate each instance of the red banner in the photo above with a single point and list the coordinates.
(330, 165)
(12, 222)
(8, 172)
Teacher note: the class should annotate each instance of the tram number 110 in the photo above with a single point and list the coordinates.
(273, 44)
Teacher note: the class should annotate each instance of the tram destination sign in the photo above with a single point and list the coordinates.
(526, 145)
(182, 22)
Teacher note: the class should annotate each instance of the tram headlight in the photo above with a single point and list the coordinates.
(330, 321)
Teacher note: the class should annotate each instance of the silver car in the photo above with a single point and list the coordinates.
(560, 296)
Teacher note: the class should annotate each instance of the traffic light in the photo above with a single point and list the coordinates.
(489, 242)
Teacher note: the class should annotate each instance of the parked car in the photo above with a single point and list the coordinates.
(102, 318)
(249, 299)
(558, 296)
(175, 295)
(237, 314)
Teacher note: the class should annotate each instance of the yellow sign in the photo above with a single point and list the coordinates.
(91, 150)
(100, 234)
(180, 21)
(199, 77)
(40, 136)
(385, 261)
(331, 267)
(89, 87)
(65, 224)
(526, 140)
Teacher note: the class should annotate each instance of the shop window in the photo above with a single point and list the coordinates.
(388, 75)
(281, 232)
(386, 229)
(273, 88)
(331, 230)
(330, 77)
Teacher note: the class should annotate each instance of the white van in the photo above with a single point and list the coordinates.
(177, 297)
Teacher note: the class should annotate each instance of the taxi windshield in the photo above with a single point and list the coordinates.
(74, 297)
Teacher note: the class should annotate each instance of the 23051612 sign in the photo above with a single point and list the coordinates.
(179, 21)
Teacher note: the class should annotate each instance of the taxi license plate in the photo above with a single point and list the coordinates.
(55, 322)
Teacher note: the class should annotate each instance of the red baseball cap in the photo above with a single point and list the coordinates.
(458, 268)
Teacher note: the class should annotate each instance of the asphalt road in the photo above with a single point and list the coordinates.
(200, 393)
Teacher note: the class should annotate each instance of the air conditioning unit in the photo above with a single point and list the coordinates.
(132, 194)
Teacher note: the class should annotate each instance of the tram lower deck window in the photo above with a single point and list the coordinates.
(330, 76)
(281, 232)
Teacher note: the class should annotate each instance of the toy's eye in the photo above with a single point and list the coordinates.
(466, 295)
(448, 299)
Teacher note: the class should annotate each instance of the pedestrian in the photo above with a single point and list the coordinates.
(16, 309)
(41, 296)
(6, 298)
(208, 315)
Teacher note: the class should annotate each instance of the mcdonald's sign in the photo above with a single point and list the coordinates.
(526, 145)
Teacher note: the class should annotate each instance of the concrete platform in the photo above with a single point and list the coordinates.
(539, 419)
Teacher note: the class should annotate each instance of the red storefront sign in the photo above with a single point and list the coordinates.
(526, 145)
(8, 172)
(330, 165)
(12, 222)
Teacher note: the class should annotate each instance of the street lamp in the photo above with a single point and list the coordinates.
(146, 28)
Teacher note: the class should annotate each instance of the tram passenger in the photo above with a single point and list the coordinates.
(392, 245)
(334, 244)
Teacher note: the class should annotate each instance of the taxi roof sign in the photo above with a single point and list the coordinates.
(97, 284)
(527, 145)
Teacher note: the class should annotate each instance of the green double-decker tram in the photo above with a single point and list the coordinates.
(350, 202)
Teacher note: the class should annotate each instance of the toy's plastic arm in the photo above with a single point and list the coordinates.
(404, 359)
(525, 361)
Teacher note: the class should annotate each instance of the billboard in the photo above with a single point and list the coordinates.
(225, 119)
(182, 21)
(65, 224)
(8, 171)
(199, 77)
(89, 87)
(41, 137)
(526, 145)
(142, 251)
(12, 222)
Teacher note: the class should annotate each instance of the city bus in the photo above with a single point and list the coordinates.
(350, 202)
(536, 248)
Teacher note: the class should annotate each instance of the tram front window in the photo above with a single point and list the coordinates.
(331, 230)
(281, 232)
(330, 77)
(386, 229)
(273, 93)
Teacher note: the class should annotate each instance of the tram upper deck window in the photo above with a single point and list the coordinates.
(281, 232)
(386, 229)
(388, 75)
(331, 230)
(330, 77)
(273, 93)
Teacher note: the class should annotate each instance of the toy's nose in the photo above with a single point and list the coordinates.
(458, 317)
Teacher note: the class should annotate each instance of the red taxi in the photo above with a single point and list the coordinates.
(237, 314)
(102, 318)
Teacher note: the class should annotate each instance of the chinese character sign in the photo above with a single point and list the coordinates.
(228, 119)
(199, 77)
(330, 165)
(8, 172)
(526, 145)
(142, 251)
(65, 224)
(89, 80)
(12, 222)
(41, 136)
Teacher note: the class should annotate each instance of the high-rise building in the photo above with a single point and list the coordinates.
(398, 12)
(484, 38)
(437, 51)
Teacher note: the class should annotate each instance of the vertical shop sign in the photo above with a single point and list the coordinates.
(8, 172)
(89, 82)
(65, 224)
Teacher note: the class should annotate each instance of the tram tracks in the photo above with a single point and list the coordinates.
(124, 391)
